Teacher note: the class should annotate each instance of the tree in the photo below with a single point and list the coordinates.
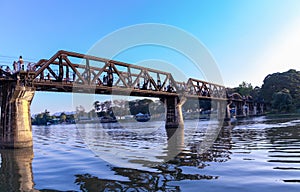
(63, 117)
(282, 101)
(276, 82)
(72, 118)
(244, 89)
(256, 94)
(42, 118)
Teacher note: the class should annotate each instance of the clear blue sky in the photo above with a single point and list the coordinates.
(248, 39)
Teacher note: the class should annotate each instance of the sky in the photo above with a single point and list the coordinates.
(248, 39)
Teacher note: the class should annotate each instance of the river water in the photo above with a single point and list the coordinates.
(255, 154)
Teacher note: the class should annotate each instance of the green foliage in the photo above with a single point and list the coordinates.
(244, 89)
(276, 82)
(282, 101)
(256, 94)
(63, 117)
(45, 117)
(42, 118)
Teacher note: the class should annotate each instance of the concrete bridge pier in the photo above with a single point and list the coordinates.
(228, 114)
(174, 115)
(15, 124)
(221, 110)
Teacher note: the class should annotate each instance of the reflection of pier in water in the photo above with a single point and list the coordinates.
(16, 170)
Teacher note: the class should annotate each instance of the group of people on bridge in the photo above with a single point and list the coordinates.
(181, 87)
(108, 79)
(16, 67)
(145, 86)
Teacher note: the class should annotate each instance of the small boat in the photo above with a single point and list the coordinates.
(140, 117)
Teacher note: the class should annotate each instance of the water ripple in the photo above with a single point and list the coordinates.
(258, 154)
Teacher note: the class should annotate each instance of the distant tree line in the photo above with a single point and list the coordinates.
(45, 118)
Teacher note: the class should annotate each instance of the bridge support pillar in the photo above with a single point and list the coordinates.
(174, 116)
(15, 126)
(228, 114)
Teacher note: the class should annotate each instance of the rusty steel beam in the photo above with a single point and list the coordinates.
(47, 63)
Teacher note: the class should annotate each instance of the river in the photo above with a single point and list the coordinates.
(255, 154)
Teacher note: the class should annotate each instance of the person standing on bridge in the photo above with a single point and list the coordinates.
(74, 76)
(104, 80)
(158, 84)
(21, 63)
(7, 69)
(29, 66)
(110, 77)
(15, 66)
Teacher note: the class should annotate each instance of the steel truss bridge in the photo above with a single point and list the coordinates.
(73, 72)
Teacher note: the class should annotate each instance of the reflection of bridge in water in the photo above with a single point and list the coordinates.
(73, 72)
(16, 172)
